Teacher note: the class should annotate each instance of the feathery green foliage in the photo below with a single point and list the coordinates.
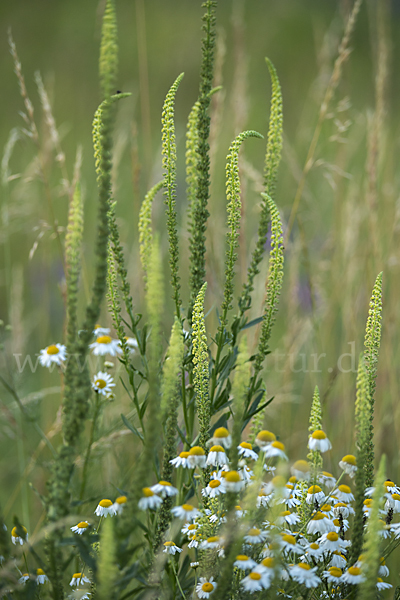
(372, 343)
(314, 456)
(108, 64)
(362, 414)
(199, 211)
(145, 229)
(372, 546)
(169, 166)
(272, 160)
(107, 565)
(200, 367)
(73, 241)
(192, 158)
(274, 284)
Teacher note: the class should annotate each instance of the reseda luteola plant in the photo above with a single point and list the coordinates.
(212, 510)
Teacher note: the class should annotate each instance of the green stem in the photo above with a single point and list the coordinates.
(89, 448)
(176, 577)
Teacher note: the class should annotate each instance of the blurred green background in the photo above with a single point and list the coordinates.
(349, 212)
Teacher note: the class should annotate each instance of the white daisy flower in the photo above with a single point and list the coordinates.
(194, 542)
(239, 512)
(217, 456)
(301, 469)
(292, 502)
(53, 354)
(314, 551)
(385, 530)
(197, 457)
(102, 383)
(303, 573)
(80, 528)
(315, 494)
(266, 568)
(287, 517)
(327, 479)
(393, 502)
(189, 529)
(382, 585)
(338, 560)
(276, 449)
(104, 508)
(353, 575)
(149, 499)
(232, 481)
(341, 525)
(211, 543)
(254, 582)
(319, 441)
(341, 508)
(344, 494)
(186, 512)
(25, 577)
(164, 489)
(181, 461)
(99, 330)
(320, 524)
(221, 437)
(333, 575)
(194, 564)
(15, 538)
(263, 499)
(79, 595)
(41, 577)
(78, 579)
(246, 450)
(244, 562)
(132, 344)
(265, 438)
(331, 542)
(205, 587)
(213, 489)
(119, 504)
(288, 544)
(104, 344)
(383, 570)
(349, 464)
(171, 548)
(255, 536)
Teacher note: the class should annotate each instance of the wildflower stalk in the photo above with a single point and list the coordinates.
(201, 368)
(199, 211)
(371, 550)
(314, 456)
(107, 564)
(234, 215)
(73, 241)
(372, 343)
(108, 63)
(169, 410)
(169, 166)
(272, 160)
(145, 229)
(362, 415)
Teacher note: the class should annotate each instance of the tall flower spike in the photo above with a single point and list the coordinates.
(107, 561)
(234, 216)
(274, 283)
(192, 159)
(199, 209)
(272, 160)
(73, 241)
(314, 456)
(372, 546)
(201, 368)
(362, 412)
(372, 343)
(145, 230)
(169, 166)
(108, 64)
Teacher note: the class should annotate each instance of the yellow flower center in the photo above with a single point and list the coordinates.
(396, 496)
(246, 445)
(255, 576)
(368, 502)
(326, 474)
(221, 432)
(354, 571)
(242, 557)
(318, 435)
(77, 575)
(304, 566)
(100, 383)
(349, 459)
(83, 525)
(196, 451)
(39, 572)
(52, 349)
(254, 532)
(183, 454)
(147, 492)
(335, 571)
(207, 587)
(192, 526)
(285, 513)
(164, 483)
(169, 543)
(266, 436)
(302, 466)
(213, 539)
(345, 489)
(314, 546)
(187, 507)
(232, 477)
(105, 503)
(14, 531)
(289, 539)
(278, 445)
(326, 507)
(314, 489)
(336, 522)
(278, 481)
(292, 479)
(318, 516)
(121, 500)
(332, 536)
(104, 339)
(217, 449)
(214, 483)
(268, 562)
